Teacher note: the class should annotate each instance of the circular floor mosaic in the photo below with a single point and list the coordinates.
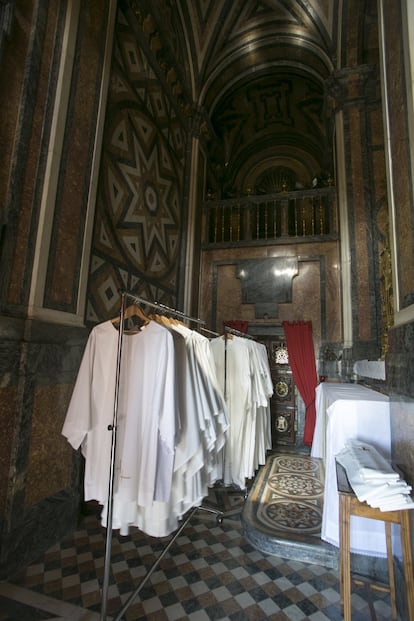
(297, 485)
(292, 516)
(286, 501)
(296, 464)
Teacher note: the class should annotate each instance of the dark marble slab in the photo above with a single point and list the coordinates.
(40, 528)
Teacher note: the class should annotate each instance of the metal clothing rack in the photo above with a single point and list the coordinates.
(245, 335)
(159, 306)
(207, 331)
(113, 429)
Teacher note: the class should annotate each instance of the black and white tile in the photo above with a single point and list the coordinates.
(211, 572)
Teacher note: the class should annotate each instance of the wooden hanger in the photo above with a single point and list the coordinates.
(167, 321)
(134, 311)
(161, 319)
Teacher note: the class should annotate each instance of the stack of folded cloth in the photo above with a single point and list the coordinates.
(372, 478)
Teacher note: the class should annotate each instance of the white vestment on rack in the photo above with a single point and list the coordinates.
(147, 417)
(234, 374)
(204, 423)
(244, 375)
(172, 424)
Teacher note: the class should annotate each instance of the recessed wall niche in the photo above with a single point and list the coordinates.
(314, 294)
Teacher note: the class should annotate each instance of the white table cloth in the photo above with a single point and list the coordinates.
(345, 411)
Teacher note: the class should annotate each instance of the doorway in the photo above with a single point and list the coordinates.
(283, 404)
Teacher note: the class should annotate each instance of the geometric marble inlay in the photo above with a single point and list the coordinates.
(287, 498)
(138, 219)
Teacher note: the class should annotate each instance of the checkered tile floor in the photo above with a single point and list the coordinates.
(210, 573)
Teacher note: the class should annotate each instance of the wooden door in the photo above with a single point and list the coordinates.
(283, 403)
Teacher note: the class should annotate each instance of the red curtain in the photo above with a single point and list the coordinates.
(301, 352)
(237, 324)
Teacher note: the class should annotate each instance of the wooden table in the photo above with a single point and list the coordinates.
(345, 412)
(349, 505)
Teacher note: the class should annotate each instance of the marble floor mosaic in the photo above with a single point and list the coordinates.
(211, 572)
(282, 515)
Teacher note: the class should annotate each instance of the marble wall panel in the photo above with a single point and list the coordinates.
(308, 300)
(10, 348)
(359, 99)
(402, 435)
(208, 277)
(69, 218)
(359, 231)
(26, 69)
(400, 383)
(32, 60)
(400, 356)
(315, 289)
(229, 297)
(39, 471)
(401, 166)
(400, 360)
(49, 468)
(11, 73)
(402, 431)
(351, 31)
(8, 397)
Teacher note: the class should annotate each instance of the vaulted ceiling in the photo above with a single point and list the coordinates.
(230, 39)
(257, 70)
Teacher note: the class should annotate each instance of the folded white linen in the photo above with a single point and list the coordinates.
(400, 501)
(386, 492)
(372, 465)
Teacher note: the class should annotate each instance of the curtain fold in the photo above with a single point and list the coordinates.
(299, 343)
(237, 324)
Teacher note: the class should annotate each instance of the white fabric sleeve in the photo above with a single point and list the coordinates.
(78, 417)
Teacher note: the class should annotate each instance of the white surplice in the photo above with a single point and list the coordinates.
(147, 417)
(172, 424)
(244, 375)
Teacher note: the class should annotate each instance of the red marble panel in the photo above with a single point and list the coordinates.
(359, 232)
(73, 187)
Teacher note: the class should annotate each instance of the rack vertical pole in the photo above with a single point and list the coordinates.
(113, 429)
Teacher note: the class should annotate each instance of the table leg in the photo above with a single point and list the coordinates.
(408, 562)
(391, 576)
(345, 554)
